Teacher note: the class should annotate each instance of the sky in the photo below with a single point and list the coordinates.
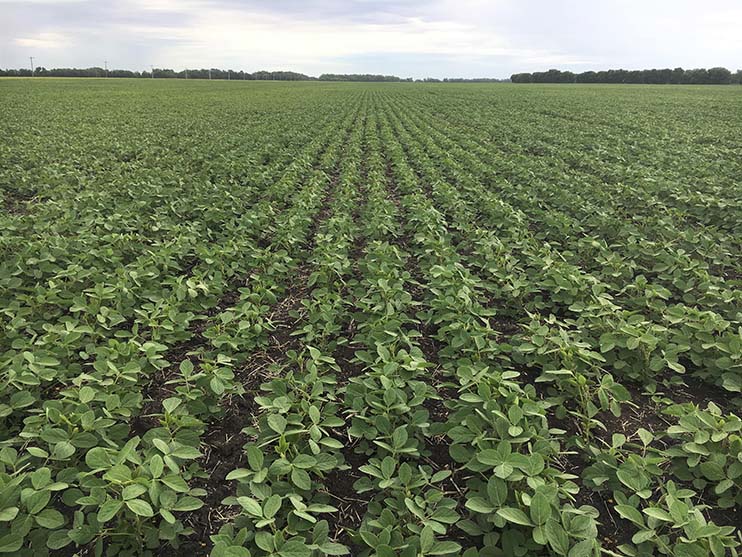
(409, 38)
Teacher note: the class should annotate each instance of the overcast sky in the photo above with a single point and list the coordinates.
(417, 38)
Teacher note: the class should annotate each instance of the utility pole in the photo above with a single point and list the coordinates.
(32, 68)
(105, 63)
(209, 73)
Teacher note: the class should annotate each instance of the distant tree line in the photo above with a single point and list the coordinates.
(159, 73)
(699, 76)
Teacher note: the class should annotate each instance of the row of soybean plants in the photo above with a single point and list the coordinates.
(81, 466)
(578, 384)
(408, 511)
(280, 502)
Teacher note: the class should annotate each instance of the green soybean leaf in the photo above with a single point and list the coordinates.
(87, 394)
(254, 457)
(8, 513)
(251, 506)
(10, 543)
(301, 479)
(557, 537)
(49, 519)
(294, 549)
(156, 466)
(585, 548)
(132, 491)
(271, 506)
(239, 473)
(139, 507)
(630, 513)
(176, 483)
(479, 505)
(332, 548)
(514, 515)
(540, 509)
(445, 548)
(188, 503)
(264, 541)
(109, 509)
(186, 452)
(659, 514)
(277, 423)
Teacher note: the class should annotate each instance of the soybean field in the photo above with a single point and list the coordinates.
(251, 319)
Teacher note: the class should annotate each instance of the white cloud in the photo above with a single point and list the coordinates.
(43, 41)
(173, 6)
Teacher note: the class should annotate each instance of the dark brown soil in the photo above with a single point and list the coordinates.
(349, 366)
(15, 203)
(428, 344)
(642, 412)
(700, 393)
(436, 409)
(284, 317)
(222, 448)
(505, 327)
(439, 458)
(351, 505)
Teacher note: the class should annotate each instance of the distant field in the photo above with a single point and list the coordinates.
(303, 319)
